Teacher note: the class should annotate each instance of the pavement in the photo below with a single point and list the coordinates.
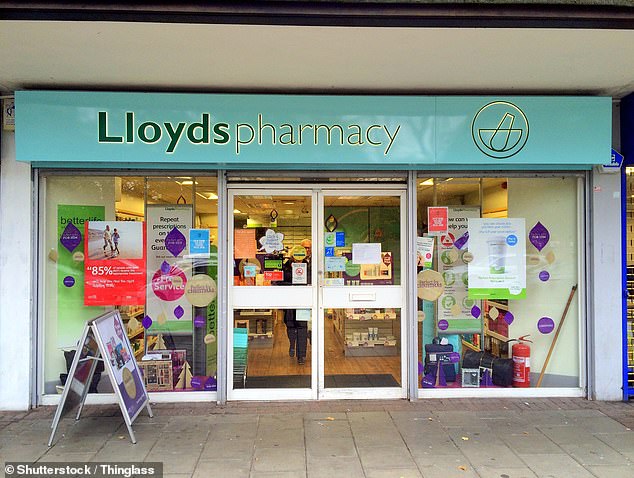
(501, 438)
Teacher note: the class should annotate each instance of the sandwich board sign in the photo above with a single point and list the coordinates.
(104, 339)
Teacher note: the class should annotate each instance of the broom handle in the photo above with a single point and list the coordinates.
(552, 345)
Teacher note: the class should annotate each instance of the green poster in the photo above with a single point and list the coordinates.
(71, 312)
(212, 316)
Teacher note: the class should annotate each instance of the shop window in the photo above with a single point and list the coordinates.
(497, 264)
(145, 246)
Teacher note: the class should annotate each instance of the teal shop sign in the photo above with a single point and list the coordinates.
(208, 131)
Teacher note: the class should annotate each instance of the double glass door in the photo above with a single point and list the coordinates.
(316, 293)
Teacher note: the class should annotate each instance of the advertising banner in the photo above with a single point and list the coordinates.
(168, 272)
(71, 313)
(424, 252)
(498, 269)
(437, 219)
(455, 307)
(115, 263)
(120, 363)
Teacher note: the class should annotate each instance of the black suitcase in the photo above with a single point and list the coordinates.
(501, 368)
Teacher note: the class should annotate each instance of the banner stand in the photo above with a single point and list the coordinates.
(104, 340)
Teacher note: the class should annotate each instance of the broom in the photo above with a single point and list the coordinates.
(552, 345)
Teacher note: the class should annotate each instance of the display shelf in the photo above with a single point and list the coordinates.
(367, 332)
(259, 325)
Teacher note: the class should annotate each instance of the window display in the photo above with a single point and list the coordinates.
(142, 245)
(498, 262)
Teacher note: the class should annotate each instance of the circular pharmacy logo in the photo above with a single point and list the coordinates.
(500, 129)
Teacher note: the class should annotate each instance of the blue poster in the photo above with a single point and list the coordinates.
(199, 241)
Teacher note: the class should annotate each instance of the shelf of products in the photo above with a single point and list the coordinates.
(368, 332)
(496, 330)
(259, 324)
(131, 316)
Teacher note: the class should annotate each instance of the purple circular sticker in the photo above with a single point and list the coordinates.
(544, 276)
(69, 281)
(443, 324)
(211, 384)
(509, 318)
(179, 312)
(197, 382)
(545, 325)
(199, 321)
(146, 322)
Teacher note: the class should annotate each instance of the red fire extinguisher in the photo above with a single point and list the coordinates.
(522, 362)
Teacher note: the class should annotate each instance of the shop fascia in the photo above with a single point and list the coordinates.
(127, 129)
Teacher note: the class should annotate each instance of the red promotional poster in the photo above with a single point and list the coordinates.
(114, 263)
(437, 219)
(274, 276)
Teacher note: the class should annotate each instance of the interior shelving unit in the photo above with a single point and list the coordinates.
(368, 332)
(259, 324)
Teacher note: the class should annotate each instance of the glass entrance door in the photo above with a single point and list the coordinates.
(315, 296)
(361, 306)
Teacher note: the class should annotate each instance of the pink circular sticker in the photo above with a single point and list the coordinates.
(169, 286)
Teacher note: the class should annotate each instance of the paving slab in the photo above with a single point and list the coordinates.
(334, 467)
(531, 443)
(449, 470)
(233, 449)
(595, 453)
(279, 460)
(612, 471)
(331, 448)
(278, 474)
(506, 472)
(222, 468)
(386, 457)
(555, 466)
(393, 473)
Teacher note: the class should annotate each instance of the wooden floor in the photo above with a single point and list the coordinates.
(267, 361)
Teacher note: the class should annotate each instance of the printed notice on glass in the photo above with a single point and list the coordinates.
(300, 273)
(424, 252)
(366, 253)
(498, 268)
(454, 304)
(244, 244)
(114, 263)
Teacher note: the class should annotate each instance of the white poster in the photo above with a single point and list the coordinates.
(168, 272)
(366, 253)
(424, 252)
(498, 269)
(300, 273)
(455, 308)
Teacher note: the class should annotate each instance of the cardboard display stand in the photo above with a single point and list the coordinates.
(104, 339)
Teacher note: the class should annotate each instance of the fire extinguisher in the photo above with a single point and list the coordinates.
(521, 352)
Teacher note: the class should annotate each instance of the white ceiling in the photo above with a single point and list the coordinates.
(203, 57)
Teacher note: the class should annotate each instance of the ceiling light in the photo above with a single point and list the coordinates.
(237, 211)
(208, 196)
(289, 203)
(427, 182)
(187, 182)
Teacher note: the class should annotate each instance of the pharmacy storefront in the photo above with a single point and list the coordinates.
(277, 247)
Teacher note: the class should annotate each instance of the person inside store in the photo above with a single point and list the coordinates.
(297, 330)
